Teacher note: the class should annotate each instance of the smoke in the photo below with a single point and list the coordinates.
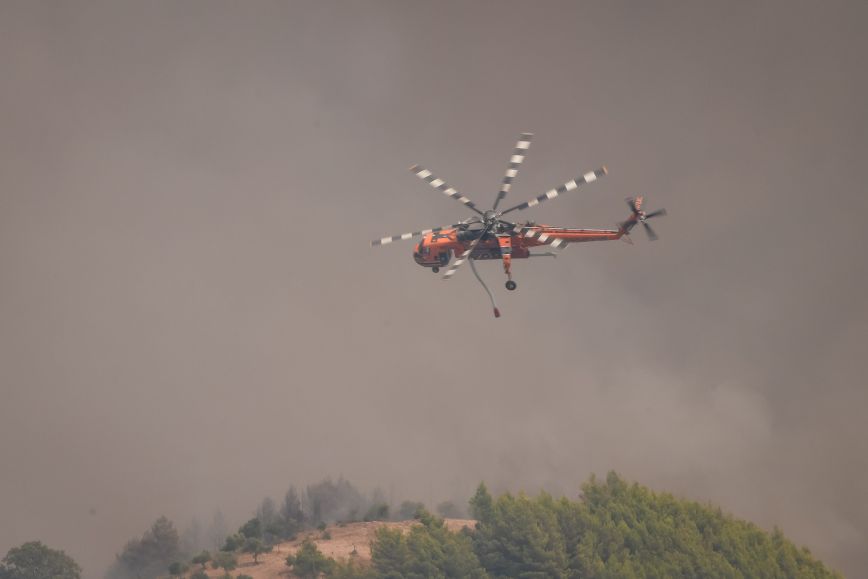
(191, 318)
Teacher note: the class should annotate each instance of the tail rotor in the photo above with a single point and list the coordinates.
(640, 216)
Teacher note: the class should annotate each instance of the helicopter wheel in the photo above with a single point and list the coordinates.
(435, 269)
(511, 285)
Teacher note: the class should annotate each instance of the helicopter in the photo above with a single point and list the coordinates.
(489, 236)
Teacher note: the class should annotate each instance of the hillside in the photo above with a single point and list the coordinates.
(344, 538)
(613, 529)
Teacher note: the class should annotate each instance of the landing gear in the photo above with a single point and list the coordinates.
(435, 269)
(505, 243)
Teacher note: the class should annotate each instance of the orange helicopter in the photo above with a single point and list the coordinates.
(489, 236)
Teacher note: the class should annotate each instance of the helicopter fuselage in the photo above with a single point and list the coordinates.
(436, 249)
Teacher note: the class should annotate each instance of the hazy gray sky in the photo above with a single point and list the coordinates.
(191, 317)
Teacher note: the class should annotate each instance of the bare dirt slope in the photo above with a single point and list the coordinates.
(344, 539)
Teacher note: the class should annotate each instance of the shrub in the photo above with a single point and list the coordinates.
(408, 510)
(309, 562)
(202, 558)
(377, 512)
(233, 542)
(33, 559)
(225, 560)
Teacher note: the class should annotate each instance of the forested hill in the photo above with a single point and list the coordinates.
(621, 530)
(613, 530)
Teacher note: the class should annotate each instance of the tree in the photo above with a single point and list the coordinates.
(199, 575)
(248, 539)
(521, 536)
(267, 512)
(252, 529)
(409, 509)
(162, 541)
(377, 512)
(272, 524)
(291, 508)
(618, 529)
(291, 514)
(434, 550)
(351, 570)
(33, 560)
(482, 504)
(256, 547)
(429, 550)
(389, 552)
(130, 562)
(177, 569)
(449, 510)
(233, 542)
(226, 561)
(149, 556)
(330, 501)
(202, 559)
(309, 562)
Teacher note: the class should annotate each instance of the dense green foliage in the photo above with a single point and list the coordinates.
(201, 559)
(519, 537)
(428, 550)
(615, 530)
(252, 529)
(618, 530)
(33, 560)
(256, 547)
(309, 562)
(225, 561)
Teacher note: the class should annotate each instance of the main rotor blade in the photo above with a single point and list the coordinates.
(466, 255)
(659, 212)
(651, 235)
(387, 240)
(588, 177)
(515, 161)
(535, 233)
(441, 186)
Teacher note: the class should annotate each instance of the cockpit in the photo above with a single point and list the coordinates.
(422, 250)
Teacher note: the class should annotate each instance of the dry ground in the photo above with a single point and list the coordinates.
(344, 538)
